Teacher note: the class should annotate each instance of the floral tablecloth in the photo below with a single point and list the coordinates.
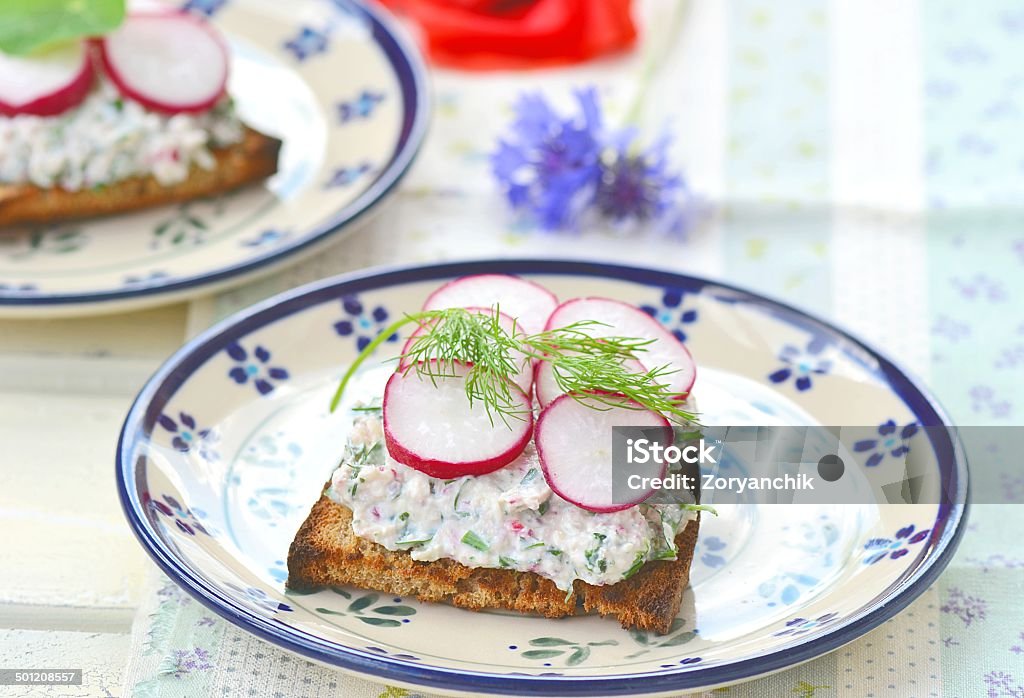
(865, 161)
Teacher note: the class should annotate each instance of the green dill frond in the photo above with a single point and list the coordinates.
(592, 369)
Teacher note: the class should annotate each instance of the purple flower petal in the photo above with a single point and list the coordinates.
(874, 459)
(714, 543)
(919, 536)
(905, 531)
(780, 375)
(380, 314)
(865, 445)
(263, 386)
(278, 374)
(897, 554)
(908, 431)
(352, 306)
(236, 352)
(803, 383)
(262, 354)
(239, 375)
(167, 423)
(887, 428)
(343, 328)
(817, 345)
(179, 444)
(184, 527)
(187, 420)
(672, 298)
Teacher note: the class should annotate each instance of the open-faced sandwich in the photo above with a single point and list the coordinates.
(481, 476)
(137, 117)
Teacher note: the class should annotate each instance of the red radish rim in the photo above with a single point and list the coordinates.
(536, 285)
(448, 469)
(544, 467)
(655, 323)
(154, 104)
(64, 99)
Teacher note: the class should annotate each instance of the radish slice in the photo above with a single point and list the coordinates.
(167, 61)
(547, 388)
(429, 425)
(574, 443)
(624, 320)
(46, 84)
(526, 301)
(524, 378)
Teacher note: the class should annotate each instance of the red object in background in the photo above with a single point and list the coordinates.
(495, 34)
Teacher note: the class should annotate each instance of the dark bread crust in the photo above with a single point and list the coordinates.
(251, 159)
(326, 552)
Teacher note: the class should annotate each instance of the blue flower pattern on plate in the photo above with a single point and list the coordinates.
(359, 108)
(266, 238)
(18, 288)
(802, 364)
(888, 442)
(708, 551)
(207, 8)
(260, 598)
(365, 326)
(257, 368)
(187, 438)
(894, 548)
(344, 176)
(187, 520)
(800, 626)
(309, 42)
(153, 277)
(672, 313)
(787, 587)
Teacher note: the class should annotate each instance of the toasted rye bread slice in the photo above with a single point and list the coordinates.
(327, 553)
(251, 159)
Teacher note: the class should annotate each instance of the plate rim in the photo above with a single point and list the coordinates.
(414, 88)
(164, 383)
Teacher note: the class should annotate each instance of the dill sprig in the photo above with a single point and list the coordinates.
(592, 369)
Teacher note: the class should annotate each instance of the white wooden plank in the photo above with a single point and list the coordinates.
(73, 547)
(101, 657)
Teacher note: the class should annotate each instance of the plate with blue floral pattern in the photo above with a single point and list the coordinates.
(229, 444)
(343, 90)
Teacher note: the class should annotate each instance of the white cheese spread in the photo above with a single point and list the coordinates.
(108, 138)
(508, 519)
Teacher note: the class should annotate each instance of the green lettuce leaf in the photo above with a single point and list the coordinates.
(27, 25)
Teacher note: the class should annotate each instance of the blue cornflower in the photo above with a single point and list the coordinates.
(556, 169)
(549, 166)
(636, 185)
